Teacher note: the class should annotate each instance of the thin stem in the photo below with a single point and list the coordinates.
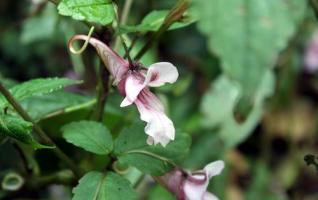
(126, 10)
(132, 44)
(102, 93)
(126, 51)
(46, 139)
(64, 177)
(174, 15)
(152, 155)
(122, 20)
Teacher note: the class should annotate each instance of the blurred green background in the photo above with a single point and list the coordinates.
(245, 92)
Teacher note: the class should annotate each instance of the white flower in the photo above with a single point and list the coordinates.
(192, 186)
(133, 82)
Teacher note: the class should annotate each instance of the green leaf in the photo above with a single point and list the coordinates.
(12, 182)
(41, 106)
(154, 20)
(97, 186)
(219, 101)
(131, 148)
(18, 129)
(247, 36)
(96, 11)
(89, 135)
(39, 86)
(40, 27)
(218, 104)
(160, 193)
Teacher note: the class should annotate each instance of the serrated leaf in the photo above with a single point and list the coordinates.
(89, 135)
(97, 186)
(154, 20)
(97, 11)
(39, 86)
(249, 37)
(131, 148)
(18, 129)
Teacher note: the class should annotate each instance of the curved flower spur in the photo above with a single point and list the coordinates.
(133, 82)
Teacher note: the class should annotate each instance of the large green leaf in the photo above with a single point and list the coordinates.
(89, 135)
(98, 11)
(39, 86)
(97, 186)
(247, 35)
(131, 148)
(18, 129)
(217, 107)
(155, 19)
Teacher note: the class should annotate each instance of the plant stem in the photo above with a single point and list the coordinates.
(102, 93)
(126, 10)
(122, 20)
(64, 177)
(174, 15)
(46, 139)
(132, 44)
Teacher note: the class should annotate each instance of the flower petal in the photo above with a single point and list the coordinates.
(194, 190)
(209, 196)
(214, 168)
(115, 64)
(133, 86)
(159, 127)
(160, 73)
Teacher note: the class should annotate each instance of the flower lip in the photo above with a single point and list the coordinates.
(198, 178)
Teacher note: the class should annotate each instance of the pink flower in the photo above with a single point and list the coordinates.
(132, 81)
(192, 186)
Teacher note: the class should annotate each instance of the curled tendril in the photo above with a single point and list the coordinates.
(82, 49)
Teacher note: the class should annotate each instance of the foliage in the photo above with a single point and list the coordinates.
(96, 186)
(98, 11)
(91, 136)
(245, 94)
(156, 160)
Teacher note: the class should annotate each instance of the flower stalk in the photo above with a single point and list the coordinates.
(174, 15)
